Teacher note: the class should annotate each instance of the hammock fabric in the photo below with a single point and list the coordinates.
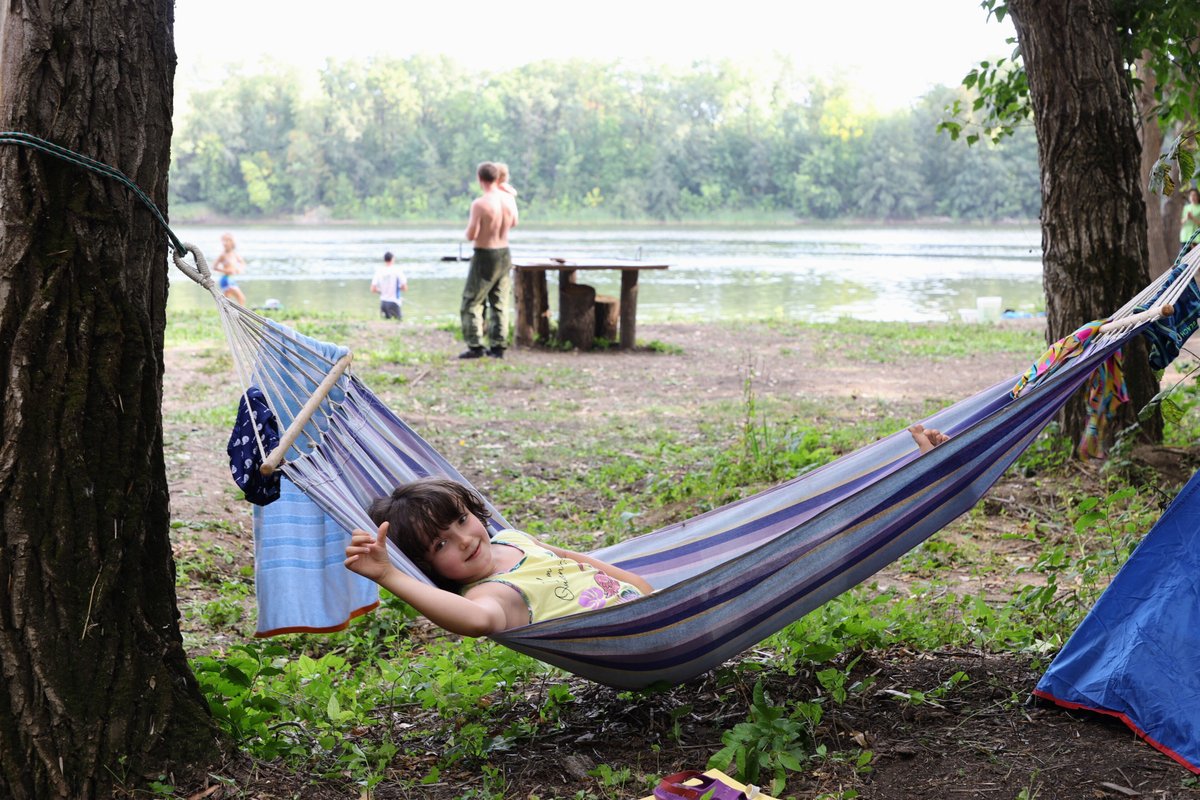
(724, 580)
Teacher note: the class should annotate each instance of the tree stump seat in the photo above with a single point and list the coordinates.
(608, 317)
(577, 314)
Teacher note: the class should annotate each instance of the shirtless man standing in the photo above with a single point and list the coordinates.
(489, 281)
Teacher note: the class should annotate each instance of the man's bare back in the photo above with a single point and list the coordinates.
(493, 215)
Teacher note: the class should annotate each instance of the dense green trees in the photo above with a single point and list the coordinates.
(399, 139)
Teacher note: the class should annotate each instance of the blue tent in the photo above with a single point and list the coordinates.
(1136, 656)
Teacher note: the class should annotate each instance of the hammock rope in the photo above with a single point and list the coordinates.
(91, 165)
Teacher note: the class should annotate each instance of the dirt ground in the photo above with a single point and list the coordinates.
(985, 741)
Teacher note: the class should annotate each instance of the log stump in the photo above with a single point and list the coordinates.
(533, 307)
(608, 317)
(577, 314)
(629, 294)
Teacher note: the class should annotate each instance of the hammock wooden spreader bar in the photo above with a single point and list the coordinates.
(1136, 320)
(305, 415)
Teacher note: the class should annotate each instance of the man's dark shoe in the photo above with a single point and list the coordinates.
(472, 352)
(495, 351)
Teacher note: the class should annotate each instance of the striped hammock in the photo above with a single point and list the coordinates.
(724, 580)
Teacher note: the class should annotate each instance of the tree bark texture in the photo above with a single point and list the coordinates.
(94, 684)
(608, 318)
(1093, 217)
(533, 306)
(1162, 213)
(576, 312)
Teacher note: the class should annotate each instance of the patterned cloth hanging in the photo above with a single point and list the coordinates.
(1106, 392)
(245, 456)
(1106, 389)
(1065, 348)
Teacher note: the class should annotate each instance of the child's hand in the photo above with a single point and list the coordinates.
(367, 555)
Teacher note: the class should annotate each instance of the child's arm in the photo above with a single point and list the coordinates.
(366, 555)
(608, 569)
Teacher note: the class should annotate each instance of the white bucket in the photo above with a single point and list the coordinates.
(970, 315)
(988, 308)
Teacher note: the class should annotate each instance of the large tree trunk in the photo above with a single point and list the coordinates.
(95, 685)
(1162, 213)
(1093, 216)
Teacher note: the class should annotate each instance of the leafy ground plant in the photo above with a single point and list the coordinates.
(395, 708)
(770, 743)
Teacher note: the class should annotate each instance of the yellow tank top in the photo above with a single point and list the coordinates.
(553, 586)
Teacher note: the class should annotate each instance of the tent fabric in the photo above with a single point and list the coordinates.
(1135, 654)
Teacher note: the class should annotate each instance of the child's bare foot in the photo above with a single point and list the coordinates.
(927, 438)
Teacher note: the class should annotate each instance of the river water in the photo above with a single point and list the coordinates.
(803, 273)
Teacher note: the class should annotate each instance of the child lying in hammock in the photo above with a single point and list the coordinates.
(484, 585)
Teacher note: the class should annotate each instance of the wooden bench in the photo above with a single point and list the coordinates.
(582, 314)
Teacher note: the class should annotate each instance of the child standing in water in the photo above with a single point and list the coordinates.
(483, 585)
(228, 264)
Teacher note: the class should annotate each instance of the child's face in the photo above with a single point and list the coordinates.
(462, 551)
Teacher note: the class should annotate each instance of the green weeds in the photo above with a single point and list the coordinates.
(383, 699)
(884, 342)
(770, 743)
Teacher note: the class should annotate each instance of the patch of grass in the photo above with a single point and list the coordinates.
(398, 353)
(218, 362)
(220, 416)
(886, 342)
(656, 346)
(192, 327)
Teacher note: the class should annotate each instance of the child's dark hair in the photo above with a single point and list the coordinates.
(416, 512)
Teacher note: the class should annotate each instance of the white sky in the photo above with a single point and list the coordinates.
(892, 50)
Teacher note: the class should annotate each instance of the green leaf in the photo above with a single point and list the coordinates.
(1172, 411)
(1187, 162)
(722, 758)
(333, 709)
(790, 761)
(236, 676)
(1087, 521)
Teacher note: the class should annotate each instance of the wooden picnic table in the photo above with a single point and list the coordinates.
(582, 314)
